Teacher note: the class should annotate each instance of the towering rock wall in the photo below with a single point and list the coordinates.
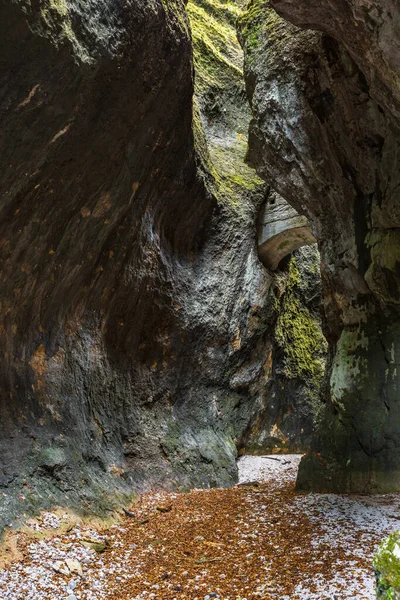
(325, 134)
(282, 392)
(137, 323)
(101, 206)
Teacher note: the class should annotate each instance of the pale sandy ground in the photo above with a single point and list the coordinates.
(324, 543)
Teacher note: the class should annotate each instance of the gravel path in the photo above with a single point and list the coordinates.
(242, 543)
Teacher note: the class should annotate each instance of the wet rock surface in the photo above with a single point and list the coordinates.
(324, 133)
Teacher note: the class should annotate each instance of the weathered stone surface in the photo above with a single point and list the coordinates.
(290, 396)
(100, 203)
(281, 230)
(142, 341)
(326, 141)
(136, 320)
(280, 406)
(369, 30)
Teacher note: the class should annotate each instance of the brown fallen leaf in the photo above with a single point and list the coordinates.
(164, 509)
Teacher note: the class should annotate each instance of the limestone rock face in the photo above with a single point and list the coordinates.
(327, 140)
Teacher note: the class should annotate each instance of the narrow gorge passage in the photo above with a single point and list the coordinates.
(143, 342)
(246, 543)
(199, 261)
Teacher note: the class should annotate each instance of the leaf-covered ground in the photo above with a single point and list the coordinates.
(260, 541)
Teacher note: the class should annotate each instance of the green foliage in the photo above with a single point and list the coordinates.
(387, 567)
(299, 334)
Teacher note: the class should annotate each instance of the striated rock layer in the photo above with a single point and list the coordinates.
(325, 134)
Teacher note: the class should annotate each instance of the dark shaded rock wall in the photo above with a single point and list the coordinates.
(369, 30)
(281, 403)
(101, 205)
(290, 399)
(137, 344)
(325, 134)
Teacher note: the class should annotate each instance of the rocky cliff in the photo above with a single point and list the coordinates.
(137, 322)
(101, 204)
(323, 90)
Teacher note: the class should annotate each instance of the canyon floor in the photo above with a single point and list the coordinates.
(251, 541)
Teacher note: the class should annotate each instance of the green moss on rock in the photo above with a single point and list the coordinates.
(261, 25)
(176, 15)
(221, 112)
(204, 162)
(299, 334)
(216, 50)
(250, 25)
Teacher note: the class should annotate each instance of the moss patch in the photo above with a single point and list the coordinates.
(217, 55)
(176, 15)
(260, 26)
(250, 25)
(299, 334)
(221, 113)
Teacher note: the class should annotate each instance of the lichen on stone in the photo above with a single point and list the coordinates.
(220, 106)
(260, 26)
(216, 51)
(250, 25)
(176, 15)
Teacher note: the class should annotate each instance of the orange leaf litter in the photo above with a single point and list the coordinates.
(244, 542)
